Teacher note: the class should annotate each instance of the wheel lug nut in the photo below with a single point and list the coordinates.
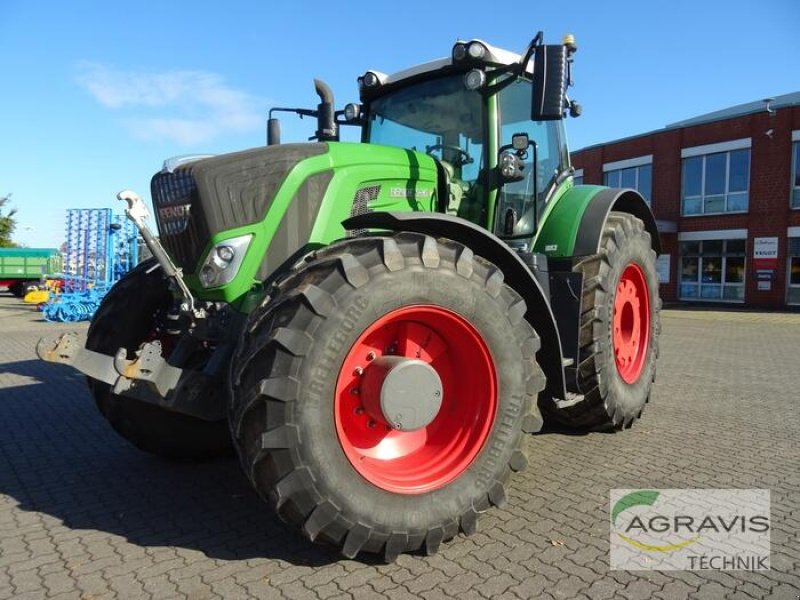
(358, 410)
(371, 355)
(371, 424)
(358, 371)
(354, 391)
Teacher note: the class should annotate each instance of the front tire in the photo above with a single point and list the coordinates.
(620, 327)
(125, 319)
(305, 423)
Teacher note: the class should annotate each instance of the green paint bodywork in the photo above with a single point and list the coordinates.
(407, 183)
(559, 224)
(492, 147)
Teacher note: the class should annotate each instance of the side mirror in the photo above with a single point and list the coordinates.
(549, 82)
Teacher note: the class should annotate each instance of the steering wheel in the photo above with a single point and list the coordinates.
(466, 158)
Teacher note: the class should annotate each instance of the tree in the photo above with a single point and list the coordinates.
(7, 223)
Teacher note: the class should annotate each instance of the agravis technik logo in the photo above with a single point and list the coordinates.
(657, 523)
(690, 529)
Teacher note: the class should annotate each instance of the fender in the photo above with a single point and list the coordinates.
(595, 215)
(574, 226)
(488, 246)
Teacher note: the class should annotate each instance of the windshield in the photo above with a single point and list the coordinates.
(442, 118)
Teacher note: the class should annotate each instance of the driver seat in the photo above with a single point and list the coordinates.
(457, 189)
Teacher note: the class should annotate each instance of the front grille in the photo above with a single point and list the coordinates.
(172, 199)
(360, 206)
(181, 224)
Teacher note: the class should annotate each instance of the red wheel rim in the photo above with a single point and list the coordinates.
(415, 462)
(631, 323)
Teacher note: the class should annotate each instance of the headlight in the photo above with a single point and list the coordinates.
(208, 276)
(507, 165)
(474, 79)
(352, 111)
(477, 50)
(226, 253)
(223, 261)
(370, 79)
(459, 51)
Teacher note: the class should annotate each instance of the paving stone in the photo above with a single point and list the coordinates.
(85, 515)
(674, 590)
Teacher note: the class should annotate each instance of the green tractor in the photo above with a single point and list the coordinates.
(374, 326)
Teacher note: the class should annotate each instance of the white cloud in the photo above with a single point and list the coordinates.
(187, 107)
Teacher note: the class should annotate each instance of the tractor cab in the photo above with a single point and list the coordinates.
(480, 114)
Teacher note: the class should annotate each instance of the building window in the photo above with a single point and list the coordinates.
(712, 270)
(639, 178)
(635, 173)
(716, 183)
(796, 175)
(793, 284)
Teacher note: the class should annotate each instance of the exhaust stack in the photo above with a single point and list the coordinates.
(327, 130)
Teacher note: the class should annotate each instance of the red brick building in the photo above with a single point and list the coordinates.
(725, 189)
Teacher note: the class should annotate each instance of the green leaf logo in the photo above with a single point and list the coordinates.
(643, 498)
(638, 498)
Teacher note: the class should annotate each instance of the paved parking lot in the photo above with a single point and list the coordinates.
(84, 515)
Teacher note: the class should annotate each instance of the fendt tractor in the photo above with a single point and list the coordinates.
(373, 326)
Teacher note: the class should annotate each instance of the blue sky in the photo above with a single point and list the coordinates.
(97, 94)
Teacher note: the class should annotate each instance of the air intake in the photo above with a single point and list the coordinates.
(360, 206)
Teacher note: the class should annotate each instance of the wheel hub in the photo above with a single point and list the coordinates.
(404, 393)
(631, 323)
(415, 399)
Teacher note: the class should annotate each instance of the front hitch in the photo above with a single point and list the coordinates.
(148, 377)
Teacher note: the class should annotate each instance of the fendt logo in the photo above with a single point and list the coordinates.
(690, 529)
(175, 211)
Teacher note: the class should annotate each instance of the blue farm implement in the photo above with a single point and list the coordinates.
(100, 248)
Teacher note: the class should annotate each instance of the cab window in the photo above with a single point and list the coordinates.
(443, 119)
(551, 159)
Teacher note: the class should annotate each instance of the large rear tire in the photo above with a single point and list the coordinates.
(307, 422)
(619, 329)
(125, 319)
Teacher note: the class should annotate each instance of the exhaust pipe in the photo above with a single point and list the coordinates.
(273, 132)
(327, 129)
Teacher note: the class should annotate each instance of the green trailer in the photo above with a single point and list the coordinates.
(375, 325)
(21, 269)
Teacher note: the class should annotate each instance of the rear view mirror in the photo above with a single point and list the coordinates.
(549, 82)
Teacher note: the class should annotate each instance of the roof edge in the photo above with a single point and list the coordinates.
(781, 102)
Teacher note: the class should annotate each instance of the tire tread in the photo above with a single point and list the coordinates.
(291, 488)
(597, 412)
